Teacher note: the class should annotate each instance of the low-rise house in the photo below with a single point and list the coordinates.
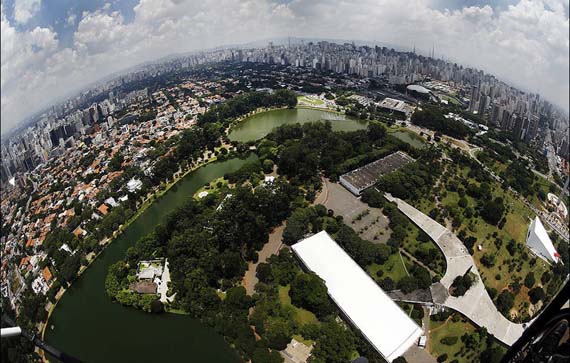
(103, 209)
(133, 185)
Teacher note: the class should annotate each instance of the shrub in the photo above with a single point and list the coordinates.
(536, 295)
(442, 358)
(488, 260)
(449, 340)
(529, 280)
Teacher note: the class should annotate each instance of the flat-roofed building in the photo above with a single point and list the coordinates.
(387, 327)
(358, 180)
(396, 106)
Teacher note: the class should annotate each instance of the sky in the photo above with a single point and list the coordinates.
(51, 48)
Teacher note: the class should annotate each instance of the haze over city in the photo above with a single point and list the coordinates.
(51, 49)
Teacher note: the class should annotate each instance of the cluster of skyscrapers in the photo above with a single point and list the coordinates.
(495, 102)
(51, 135)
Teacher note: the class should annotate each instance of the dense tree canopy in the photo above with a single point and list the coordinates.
(309, 291)
(432, 118)
(243, 104)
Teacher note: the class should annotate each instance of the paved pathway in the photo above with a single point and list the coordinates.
(270, 248)
(411, 257)
(372, 227)
(418, 355)
(476, 304)
(163, 287)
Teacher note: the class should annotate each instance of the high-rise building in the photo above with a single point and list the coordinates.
(473, 99)
(496, 115)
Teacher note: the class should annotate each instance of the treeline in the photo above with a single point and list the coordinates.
(240, 105)
(432, 118)
(301, 152)
(315, 219)
(415, 180)
(208, 244)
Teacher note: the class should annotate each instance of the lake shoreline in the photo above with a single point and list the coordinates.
(68, 319)
(258, 124)
(147, 203)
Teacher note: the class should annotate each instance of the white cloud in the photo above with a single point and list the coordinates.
(24, 10)
(71, 18)
(526, 43)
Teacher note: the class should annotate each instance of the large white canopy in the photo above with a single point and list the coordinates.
(539, 242)
(380, 320)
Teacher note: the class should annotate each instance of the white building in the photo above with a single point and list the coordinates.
(133, 185)
(387, 327)
(539, 242)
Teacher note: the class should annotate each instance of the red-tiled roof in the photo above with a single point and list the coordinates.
(103, 209)
(46, 273)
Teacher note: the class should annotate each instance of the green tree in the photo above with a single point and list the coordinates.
(529, 280)
(505, 301)
(116, 162)
(309, 291)
(493, 210)
(408, 284)
(536, 295)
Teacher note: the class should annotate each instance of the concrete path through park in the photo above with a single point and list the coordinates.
(270, 248)
(476, 304)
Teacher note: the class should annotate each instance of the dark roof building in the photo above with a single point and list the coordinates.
(358, 180)
(143, 287)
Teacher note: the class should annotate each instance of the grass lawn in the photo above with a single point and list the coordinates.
(212, 187)
(418, 248)
(452, 99)
(507, 268)
(311, 100)
(175, 311)
(543, 185)
(492, 163)
(393, 268)
(449, 328)
(302, 316)
(299, 338)
(425, 205)
(408, 136)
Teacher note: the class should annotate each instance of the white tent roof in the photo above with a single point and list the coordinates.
(379, 319)
(539, 242)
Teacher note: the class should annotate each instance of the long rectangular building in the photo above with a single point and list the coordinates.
(358, 180)
(390, 331)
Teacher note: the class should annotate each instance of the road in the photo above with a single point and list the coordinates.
(270, 248)
(551, 155)
(476, 304)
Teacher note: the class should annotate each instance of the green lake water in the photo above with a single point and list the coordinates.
(89, 326)
(261, 124)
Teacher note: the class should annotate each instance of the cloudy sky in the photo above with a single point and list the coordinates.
(53, 47)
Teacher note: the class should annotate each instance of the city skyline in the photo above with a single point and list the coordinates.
(42, 63)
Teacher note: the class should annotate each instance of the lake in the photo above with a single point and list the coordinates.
(261, 124)
(89, 326)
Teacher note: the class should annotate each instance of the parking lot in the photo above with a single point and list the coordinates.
(368, 222)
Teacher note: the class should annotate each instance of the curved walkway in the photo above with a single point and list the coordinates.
(476, 304)
(272, 246)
